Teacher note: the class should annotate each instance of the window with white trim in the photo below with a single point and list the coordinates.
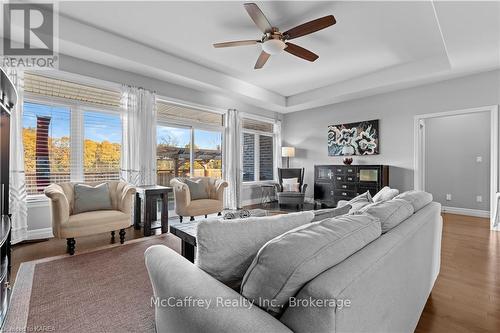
(258, 150)
(71, 132)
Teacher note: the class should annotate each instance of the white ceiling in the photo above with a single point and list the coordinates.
(374, 45)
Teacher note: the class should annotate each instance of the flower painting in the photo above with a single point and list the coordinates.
(353, 139)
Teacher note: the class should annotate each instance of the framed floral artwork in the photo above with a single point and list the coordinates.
(360, 138)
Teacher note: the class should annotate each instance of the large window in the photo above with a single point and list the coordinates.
(71, 132)
(189, 143)
(102, 146)
(258, 150)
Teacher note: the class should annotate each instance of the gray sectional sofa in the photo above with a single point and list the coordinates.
(382, 287)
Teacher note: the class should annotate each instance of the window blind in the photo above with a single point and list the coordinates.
(51, 87)
(168, 112)
(257, 125)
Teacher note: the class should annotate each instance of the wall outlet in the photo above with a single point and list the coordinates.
(479, 159)
(479, 198)
(448, 197)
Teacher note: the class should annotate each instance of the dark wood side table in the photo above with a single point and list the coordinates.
(150, 194)
(187, 233)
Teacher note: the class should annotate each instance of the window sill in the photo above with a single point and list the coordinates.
(37, 200)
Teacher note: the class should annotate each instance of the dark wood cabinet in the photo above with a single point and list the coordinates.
(343, 182)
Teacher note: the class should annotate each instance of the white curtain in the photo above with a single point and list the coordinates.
(17, 185)
(138, 156)
(232, 159)
(277, 148)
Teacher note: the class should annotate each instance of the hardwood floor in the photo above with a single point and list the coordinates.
(465, 298)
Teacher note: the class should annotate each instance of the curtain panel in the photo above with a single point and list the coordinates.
(138, 155)
(277, 148)
(232, 160)
(17, 183)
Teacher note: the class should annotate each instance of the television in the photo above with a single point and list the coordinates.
(368, 175)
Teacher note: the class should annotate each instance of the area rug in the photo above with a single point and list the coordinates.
(106, 290)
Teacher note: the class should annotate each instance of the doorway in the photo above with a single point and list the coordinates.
(452, 162)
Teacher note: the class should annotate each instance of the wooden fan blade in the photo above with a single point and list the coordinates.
(310, 27)
(236, 43)
(300, 52)
(258, 17)
(262, 60)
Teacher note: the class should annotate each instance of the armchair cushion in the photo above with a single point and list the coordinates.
(197, 189)
(291, 185)
(90, 198)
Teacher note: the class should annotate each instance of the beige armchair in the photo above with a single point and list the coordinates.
(67, 225)
(184, 206)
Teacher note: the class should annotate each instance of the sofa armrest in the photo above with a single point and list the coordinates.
(220, 185)
(126, 197)
(59, 206)
(181, 194)
(175, 278)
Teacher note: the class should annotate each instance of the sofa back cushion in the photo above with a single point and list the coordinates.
(286, 263)
(418, 199)
(91, 198)
(225, 248)
(390, 213)
(385, 194)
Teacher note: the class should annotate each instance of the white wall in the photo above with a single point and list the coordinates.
(307, 130)
(452, 145)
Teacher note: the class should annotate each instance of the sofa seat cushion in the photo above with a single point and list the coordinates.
(225, 248)
(204, 206)
(91, 223)
(289, 261)
(390, 213)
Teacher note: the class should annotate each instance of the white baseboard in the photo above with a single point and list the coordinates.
(40, 233)
(466, 211)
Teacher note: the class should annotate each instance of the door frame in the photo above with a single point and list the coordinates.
(419, 151)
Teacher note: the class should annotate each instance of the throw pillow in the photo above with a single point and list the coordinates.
(90, 198)
(197, 189)
(360, 201)
(390, 213)
(385, 194)
(291, 184)
(322, 214)
(286, 263)
(225, 248)
(418, 199)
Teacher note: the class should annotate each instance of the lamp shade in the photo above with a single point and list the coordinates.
(287, 151)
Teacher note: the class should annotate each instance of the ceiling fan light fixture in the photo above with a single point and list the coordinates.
(273, 46)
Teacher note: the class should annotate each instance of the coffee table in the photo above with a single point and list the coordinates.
(187, 232)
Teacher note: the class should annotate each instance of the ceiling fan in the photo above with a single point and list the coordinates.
(273, 41)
